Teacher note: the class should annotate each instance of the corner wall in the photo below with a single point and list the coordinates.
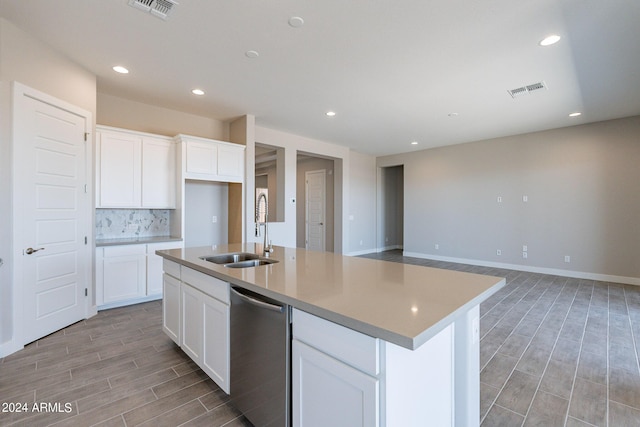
(582, 186)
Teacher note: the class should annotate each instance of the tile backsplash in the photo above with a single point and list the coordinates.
(125, 223)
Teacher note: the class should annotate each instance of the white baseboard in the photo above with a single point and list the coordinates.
(362, 252)
(129, 302)
(543, 270)
(9, 347)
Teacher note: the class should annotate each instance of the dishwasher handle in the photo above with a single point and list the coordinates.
(259, 303)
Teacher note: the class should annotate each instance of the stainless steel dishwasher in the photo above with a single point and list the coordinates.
(260, 356)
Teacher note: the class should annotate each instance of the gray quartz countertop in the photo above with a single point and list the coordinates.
(403, 304)
(136, 240)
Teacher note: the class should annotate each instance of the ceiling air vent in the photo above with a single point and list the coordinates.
(159, 8)
(524, 90)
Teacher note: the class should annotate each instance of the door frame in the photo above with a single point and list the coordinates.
(18, 93)
(324, 207)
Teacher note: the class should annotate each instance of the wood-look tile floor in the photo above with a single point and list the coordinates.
(554, 351)
(115, 369)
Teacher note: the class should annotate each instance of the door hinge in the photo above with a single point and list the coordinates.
(86, 293)
(85, 240)
(86, 188)
(86, 135)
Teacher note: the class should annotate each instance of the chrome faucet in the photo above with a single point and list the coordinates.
(266, 249)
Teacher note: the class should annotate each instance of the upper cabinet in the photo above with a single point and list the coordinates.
(211, 160)
(135, 170)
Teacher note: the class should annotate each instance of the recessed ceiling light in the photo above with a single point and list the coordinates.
(576, 114)
(251, 54)
(296, 21)
(453, 114)
(120, 69)
(198, 92)
(330, 113)
(414, 142)
(549, 40)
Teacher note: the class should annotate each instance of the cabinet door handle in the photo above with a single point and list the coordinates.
(29, 251)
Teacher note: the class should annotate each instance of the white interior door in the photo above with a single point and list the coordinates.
(315, 194)
(52, 207)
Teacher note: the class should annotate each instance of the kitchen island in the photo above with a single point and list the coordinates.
(408, 335)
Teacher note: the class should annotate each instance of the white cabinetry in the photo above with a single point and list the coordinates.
(196, 312)
(333, 367)
(367, 381)
(154, 265)
(135, 170)
(171, 306)
(124, 273)
(211, 160)
(129, 274)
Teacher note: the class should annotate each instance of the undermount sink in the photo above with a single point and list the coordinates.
(239, 260)
(251, 263)
(229, 258)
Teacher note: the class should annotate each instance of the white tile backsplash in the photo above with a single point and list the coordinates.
(124, 223)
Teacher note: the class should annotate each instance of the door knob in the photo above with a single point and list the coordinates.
(29, 251)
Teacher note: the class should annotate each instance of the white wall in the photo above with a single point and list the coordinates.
(361, 213)
(583, 189)
(32, 63)
(203, 200)
(349, 197)
(126, 114)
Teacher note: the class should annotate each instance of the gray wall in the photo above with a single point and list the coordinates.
(583, 189)
(202, 201)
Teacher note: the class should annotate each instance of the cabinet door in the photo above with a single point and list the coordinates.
(327, 392)
(154, 266)
(171, 308)
(231, 163)
(119, 184)
(158, 173)
(216, 350)
(192, 321)
(202, 160)
(124, 276)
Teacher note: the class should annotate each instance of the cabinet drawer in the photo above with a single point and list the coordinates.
(171, 268)
(205, 283)
(354, 348)
(123, 250)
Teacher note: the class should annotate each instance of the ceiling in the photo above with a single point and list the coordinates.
(434, 72)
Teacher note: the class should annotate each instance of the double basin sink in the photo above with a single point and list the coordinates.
(239, 260)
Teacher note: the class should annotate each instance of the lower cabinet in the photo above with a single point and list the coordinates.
(124, 273)
(129, 274)
(327, 392)
(171, 307)
(198, 322)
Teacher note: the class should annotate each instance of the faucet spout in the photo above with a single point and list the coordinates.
(266, 249)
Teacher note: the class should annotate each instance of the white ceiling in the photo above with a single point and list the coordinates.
(393, 71)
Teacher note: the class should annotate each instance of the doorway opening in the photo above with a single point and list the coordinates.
(391, 208)
(316, 223)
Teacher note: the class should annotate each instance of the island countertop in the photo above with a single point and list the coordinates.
(399, 303)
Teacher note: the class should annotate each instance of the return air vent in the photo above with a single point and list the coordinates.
(158, 8)
(524, 90)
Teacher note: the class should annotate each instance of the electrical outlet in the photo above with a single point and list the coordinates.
(498, 252)
(524, 248)
(499, 199)
(525, 199)
(567, 258)
(436, 246)
(360, 242)
(214, 219)
(524, 255)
